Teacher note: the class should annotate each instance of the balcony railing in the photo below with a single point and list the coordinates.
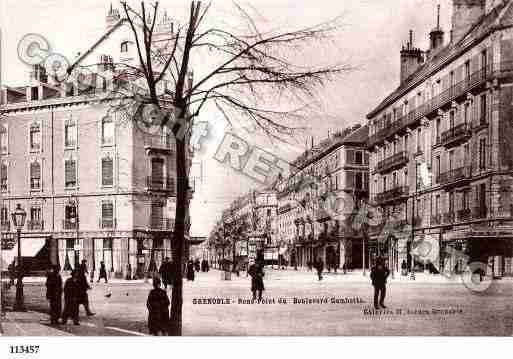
(106, 223)
(35, 225)
(453, 176)
(458, 90)
(464, 214)
(396, 160)
(479, 212)
(69, 224)
(394, 194)
(162, 224)
(5, 226)
(456, 135)
(160, 184)
(162, 143)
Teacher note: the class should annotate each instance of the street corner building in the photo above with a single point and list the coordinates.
(441, 153)
(94, 183)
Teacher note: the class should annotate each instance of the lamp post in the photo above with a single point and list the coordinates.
(18, 218)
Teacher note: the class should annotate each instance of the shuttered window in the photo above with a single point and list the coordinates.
(35, 175)
(3, 139)
(3, 177)
(107, 214)
(157, 172)
(35, 137)
(70, 173)
(107, 172)
(349, 156)
(349, 179)
(156, 215)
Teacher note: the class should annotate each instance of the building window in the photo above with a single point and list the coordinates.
(157, 173)
(406, 177)
(70, 134)
(107, 131)
(451, 160)
(107, 214)
(36, 220)
(466, 113)
(70, 173)
(482, 118)
(451, 119)
(358, 157)
(124, 46)
(34, 93)
(4, 140)
(437, 166)
(35, 176)
(107, 254)
(467, 70)
(358, 180)
(482, 153)
(107, 171)
(419, 138)
(4, 217)
(3, 177)
(70, 216)
(35, 137)
(437, 205)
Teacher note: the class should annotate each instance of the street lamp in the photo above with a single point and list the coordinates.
(18, 219)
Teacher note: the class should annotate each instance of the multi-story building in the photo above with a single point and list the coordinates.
(94, 184)
(441, 154)
(317, 200)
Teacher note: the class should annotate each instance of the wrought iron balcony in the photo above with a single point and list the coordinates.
(69, 224)
(160, 184)
(159, 144)
(395, 194)
(456, 135)
(464, 214)
(35, 225)
(397, 160)
(162, 224)
(105, 223)
(479, 212)
(455, 176)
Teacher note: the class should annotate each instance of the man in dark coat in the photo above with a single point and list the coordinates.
(166, 272)
(158, 309)
(190, 270)
(71, 298)
(197, 265)
(103, 272)
(379, 275)
(83, 288)
(54, 293)
(256, 271)
(319, 266)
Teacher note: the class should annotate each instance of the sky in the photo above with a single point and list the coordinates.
(369, 41)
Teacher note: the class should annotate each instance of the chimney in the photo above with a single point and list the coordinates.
(38, 73)
(436, 36)
(465, 13)
(112, 18)
(411, 59)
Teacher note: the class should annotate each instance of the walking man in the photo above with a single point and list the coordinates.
(158, 309)
(103, 272)
(71, 298)
(319, 266)
(166, 272)
(54, 293)
(256, 271)
(379, 275)
(83, 287)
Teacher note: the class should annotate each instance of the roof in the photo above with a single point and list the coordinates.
(499, 17)
(357, 137)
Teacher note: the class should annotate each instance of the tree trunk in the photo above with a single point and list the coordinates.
(182, 209)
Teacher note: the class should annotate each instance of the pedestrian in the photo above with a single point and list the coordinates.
(207, 266)
(166, 272)
(71, 298)
(256, 271)
(54, 293)
(310, 265)
(404, 268)
(197, 265)
(190, 270)
(319, 266)
(158, 309)
(379, 275)
(83, 287)
(103, 272)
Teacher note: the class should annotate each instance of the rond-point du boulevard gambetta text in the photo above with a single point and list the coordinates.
(280, 300)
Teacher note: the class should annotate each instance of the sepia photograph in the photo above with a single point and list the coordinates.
(255, 168)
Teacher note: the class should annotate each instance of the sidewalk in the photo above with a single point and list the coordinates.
(28, 323)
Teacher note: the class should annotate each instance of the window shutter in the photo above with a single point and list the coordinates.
(107, 211)
(35, 170)
(349, 179)
(107, 172)
(349, 156)
(3, 172)
(70, 172)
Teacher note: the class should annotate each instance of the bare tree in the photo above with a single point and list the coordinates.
(250, 66)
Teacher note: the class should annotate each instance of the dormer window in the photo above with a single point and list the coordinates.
(124, 46)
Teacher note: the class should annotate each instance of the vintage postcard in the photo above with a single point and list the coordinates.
(256, 168)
